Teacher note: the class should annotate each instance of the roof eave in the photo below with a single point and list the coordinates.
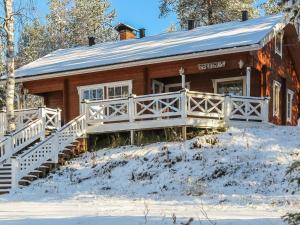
(141, 63)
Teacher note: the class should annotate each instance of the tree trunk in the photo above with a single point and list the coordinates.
(210, 12)
(10, 84)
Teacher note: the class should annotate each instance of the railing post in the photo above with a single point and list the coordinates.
(42, 116)
(131, 108)
(184, 112)
(265, 110)
(58, 124)
(10, 145)
(131, 115)
(227, 108)
(14, 173)
(184, 104)
(55, 146)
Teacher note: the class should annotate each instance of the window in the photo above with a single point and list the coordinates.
(278, 42)
(276, 98)
(93, 94)
(117, 91)
(232, 85)
(289, 105)
(105, 91)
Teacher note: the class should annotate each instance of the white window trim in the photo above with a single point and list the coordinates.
(168, 86)
(81, 89)
(276, 112)
(159, 84)
(216, 81)
(279, 52)
(119, 83)
(289, 116)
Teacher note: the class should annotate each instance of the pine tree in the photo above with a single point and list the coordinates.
(272, 7)
(58, 21)
(91, 18)
(32, 44)
(207, 12)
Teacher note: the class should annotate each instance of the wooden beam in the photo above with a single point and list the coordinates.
(66, 109)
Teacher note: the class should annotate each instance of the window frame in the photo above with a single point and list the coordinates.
(278, 50)
(119, 84)
(289, 111)
(104, 87)
(229, 79)
(276, 100)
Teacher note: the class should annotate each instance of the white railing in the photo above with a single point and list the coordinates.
(3, 123)
(205, 105)
(4, 148)
(25, 116)
(51, 117)
(178, 104)
(108, 111)
(18, 140)
(157, 106)
(48, 149)
(248, 108)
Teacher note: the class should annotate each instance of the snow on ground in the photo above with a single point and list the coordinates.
(237, 177)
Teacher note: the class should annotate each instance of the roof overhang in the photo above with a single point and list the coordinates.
(140, 63)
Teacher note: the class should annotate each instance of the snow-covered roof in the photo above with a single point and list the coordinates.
(207, 38)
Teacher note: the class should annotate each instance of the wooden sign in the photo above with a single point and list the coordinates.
(214, 65)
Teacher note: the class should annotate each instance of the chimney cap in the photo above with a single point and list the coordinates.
(142, 32)
(191, 24)
(122, 26)
(245, 15)
(92, 41)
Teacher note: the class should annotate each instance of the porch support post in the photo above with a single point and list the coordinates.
(14, 173)
(181, 72)
(131, 112)
(265, 110)
(131, 137)
(66, 100)
(248, 81)
(184, 112)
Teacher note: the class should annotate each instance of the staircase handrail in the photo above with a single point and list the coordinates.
(16, 141)
(49, 148)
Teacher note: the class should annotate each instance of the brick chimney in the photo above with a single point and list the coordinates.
(126, 32)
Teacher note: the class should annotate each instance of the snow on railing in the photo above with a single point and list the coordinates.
(48, 149)
(20, 139)
(177, 104)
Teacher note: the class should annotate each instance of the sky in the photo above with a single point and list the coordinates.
(137, 13)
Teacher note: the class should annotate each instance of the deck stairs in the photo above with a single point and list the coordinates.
(38, 146)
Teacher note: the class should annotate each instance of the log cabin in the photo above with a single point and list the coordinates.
(240, 73)
(254, 58)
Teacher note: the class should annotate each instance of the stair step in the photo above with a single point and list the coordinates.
(31, 176)
(3, 186)
(24, 182)
(3, 169)
(5, 174)
(6, 181)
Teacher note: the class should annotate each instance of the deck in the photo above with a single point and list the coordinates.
(184, 108)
